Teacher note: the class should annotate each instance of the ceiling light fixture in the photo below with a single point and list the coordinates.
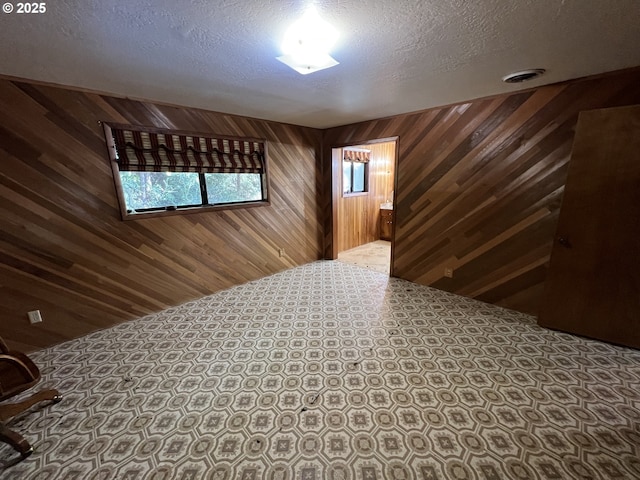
(523, 75)
(307, 44)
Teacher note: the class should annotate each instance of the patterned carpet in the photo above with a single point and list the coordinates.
(333, 371)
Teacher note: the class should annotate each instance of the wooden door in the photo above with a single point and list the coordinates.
(593, 283)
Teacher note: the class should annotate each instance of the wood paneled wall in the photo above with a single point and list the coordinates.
(64, 249)
(478, 189)
(359, 216)
(479, 185)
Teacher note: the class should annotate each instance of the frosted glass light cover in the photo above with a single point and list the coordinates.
(308, 64)
(307, 43)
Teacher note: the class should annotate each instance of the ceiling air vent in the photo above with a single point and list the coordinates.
(523, 76)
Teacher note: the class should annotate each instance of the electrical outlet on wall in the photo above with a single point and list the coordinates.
(281, 252)
(448, 272)
(34, 316)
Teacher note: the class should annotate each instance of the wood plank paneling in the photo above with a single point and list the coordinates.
(64, 249)
(479, 185)
(359, 216)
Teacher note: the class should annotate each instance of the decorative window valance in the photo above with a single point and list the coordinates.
(149, 150)
(357, 155)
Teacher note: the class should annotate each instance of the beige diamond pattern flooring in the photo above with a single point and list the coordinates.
(333, 371)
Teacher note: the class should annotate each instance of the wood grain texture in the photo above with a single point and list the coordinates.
(386, 224)
(593, 285)
(359, 215)
(64, 249)
(479, 185)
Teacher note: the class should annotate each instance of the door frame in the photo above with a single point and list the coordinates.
(336, 174)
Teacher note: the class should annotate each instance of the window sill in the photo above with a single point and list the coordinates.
(190, 210)
(358, 194)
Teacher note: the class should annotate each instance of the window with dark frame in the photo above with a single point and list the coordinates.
(168, 171)
(355, 171)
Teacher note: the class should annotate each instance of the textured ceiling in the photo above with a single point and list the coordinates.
(395, 56)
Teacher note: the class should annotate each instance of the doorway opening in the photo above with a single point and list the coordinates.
(363, 185)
